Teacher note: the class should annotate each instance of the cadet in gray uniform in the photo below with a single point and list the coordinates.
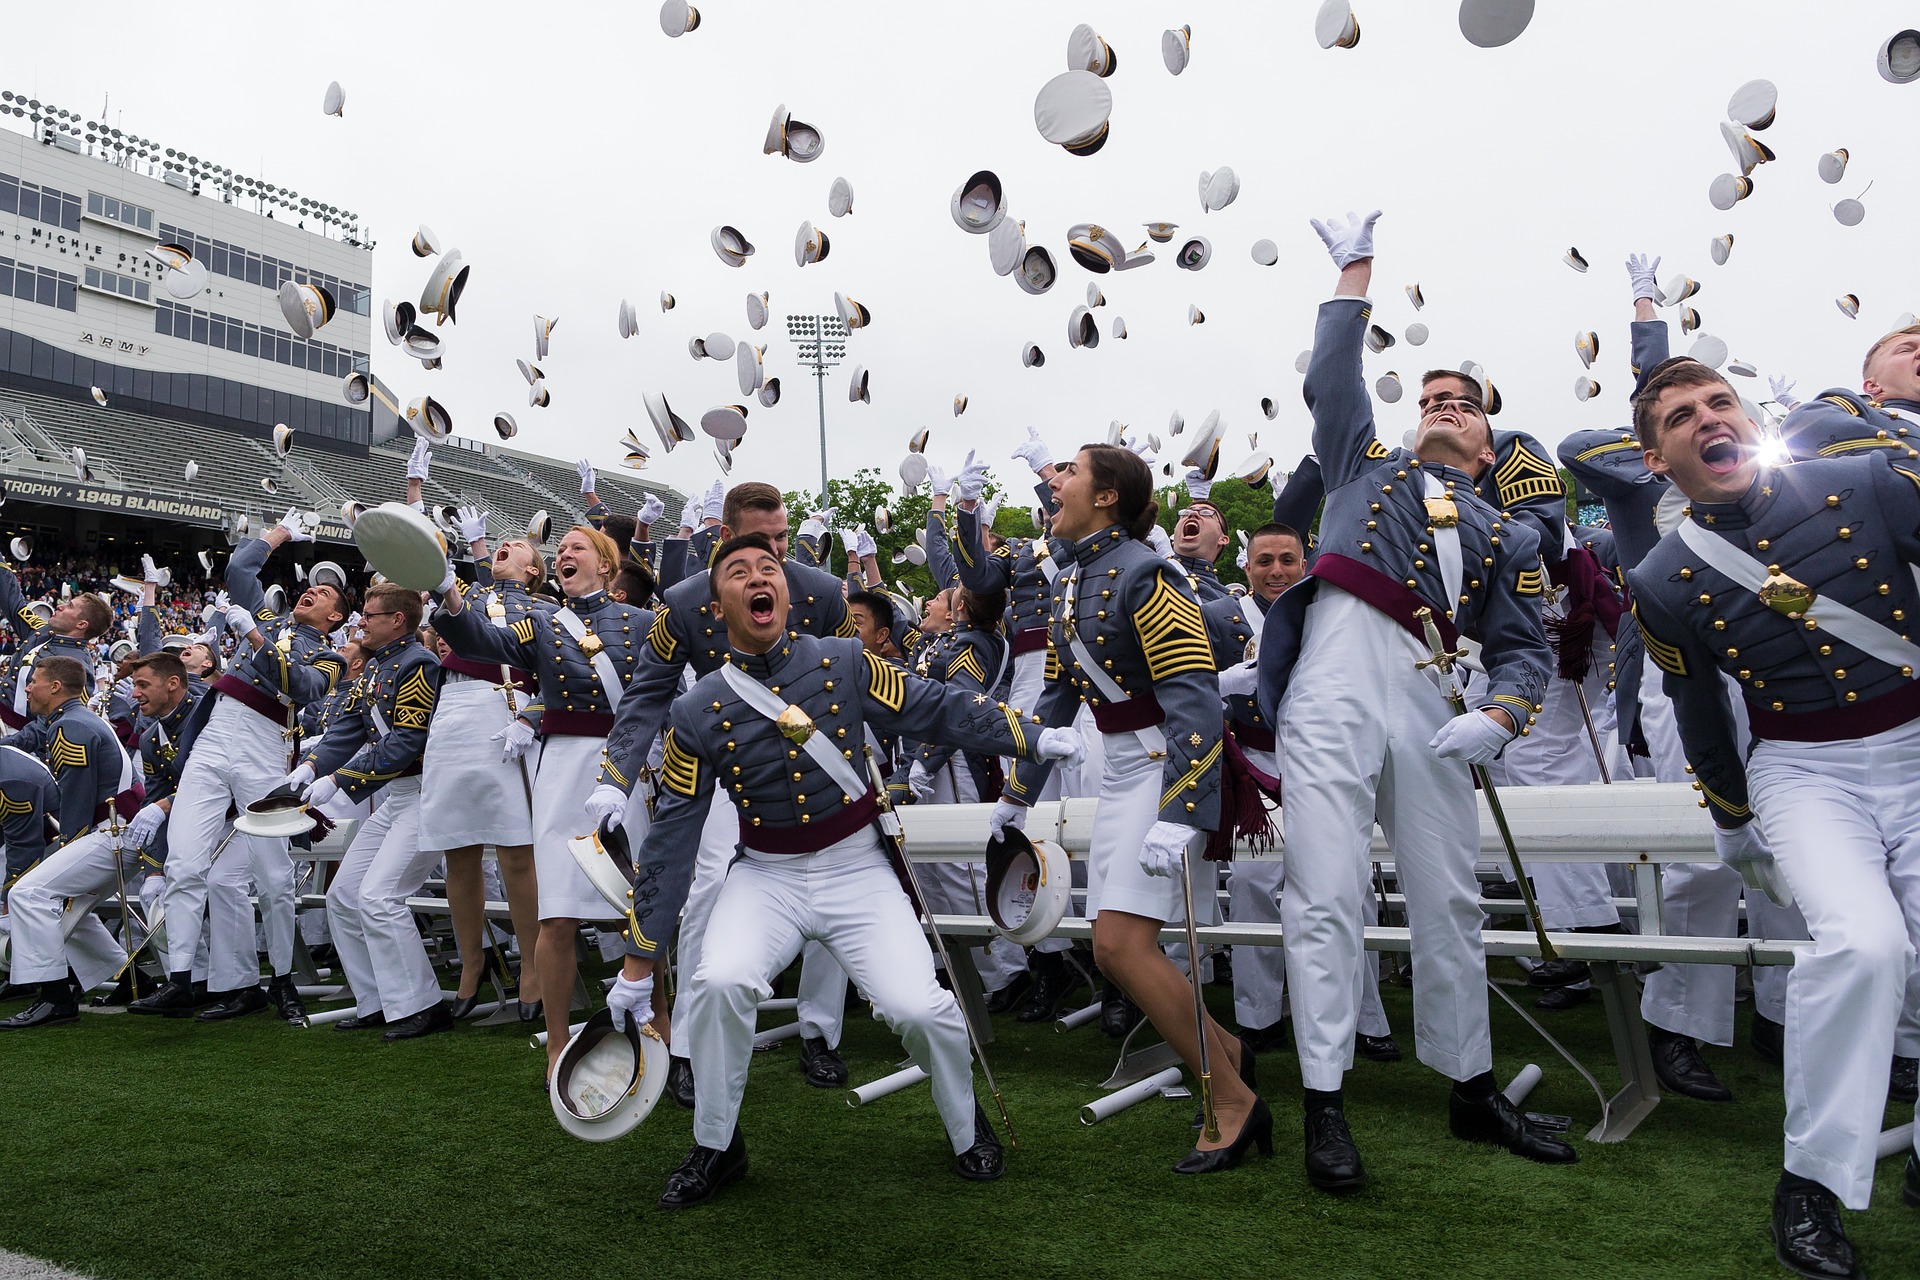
(1797, 582)
(685, 636)
(1882, 417)
(29, 798)
(780, 731)
(76, 623)
(1363, 732)
(1199, 536)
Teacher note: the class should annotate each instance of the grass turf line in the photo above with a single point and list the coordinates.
(155, 1148)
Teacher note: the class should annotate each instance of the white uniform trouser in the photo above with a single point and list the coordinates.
(238, 757)
(1353, 731)
(1557, 752)
(1702, 899)
(960, 888)
(568, 766)
(822, 991)
(373, 931)
(1029, 678)
(846, 898)
(1843, 819)
(38, 900)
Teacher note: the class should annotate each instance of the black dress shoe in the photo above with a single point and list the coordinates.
(1503, 890)
(174, 1000)
(1768, 1038)
(1118, 1014)
(42, 1013)
(362, 1022)
(1496, 1120)
(1376, 1048)
(1561, 999)
(1808, 1238)
(1053, 981)
(984, 1160)
(233, 1004)
(1558, 973)
(1011, 996)
(1272, 1036)
(821, 1065)
(704, 1172)
(1333, 1161)
(1256, 1130)
(435, 1017)
(19, 991)
(1903, 1081)
(1677, 1061)
(286, 1001)
(680, 1082)
(1910, 1185)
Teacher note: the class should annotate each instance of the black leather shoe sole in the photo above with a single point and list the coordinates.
(237, 1004)
(430, 1021)
(1811, 1272)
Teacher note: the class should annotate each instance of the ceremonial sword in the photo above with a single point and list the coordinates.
(1443, 661)
(1210, 1123)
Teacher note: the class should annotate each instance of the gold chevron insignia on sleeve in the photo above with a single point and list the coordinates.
(912, 641)
(1844, 403)
(1053, 663)
(1525, 474)
(11, 808)
(1839, 447)
(679, 768)
(1528, 583)
(413, 704)
(523, 631)
(886, 683)
(967, 662)
(33, 620)
(1375, 449)
(845, 630)
(1002, 552)
(1019, 734)
(660, 636)
(1172, 631)
(1665, 656)
(65, 753)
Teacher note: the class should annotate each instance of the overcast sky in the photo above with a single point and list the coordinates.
(577, 156)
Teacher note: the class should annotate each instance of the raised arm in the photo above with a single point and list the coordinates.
(1297, 504)
(1336, 390)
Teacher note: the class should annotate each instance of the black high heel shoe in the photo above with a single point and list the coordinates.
(1256, 1131)
(464, 1006)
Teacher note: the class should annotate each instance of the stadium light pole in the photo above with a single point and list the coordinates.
(822, 345)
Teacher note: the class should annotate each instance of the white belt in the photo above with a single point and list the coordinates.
(1855, 628)
(602, 665)
(817, 745)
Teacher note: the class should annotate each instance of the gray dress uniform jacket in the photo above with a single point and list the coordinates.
(163, 749)
(36, 642)
(297, 664)
(83, 754)
(1839, 422)
(28, 797)
(380, 732)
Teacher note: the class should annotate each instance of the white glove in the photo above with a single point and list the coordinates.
(1473, 736)
(1157, 539)
(863, 544)
(221, 600)
(690, 514)
(420, 459)
(1034, 452)
(151, 571)
(716, 500)
(1641, 273)
(145, 825)
(240, 620)
(122, 689)
(606, 805)
(1240, 680)
(319, 791)
(920, 782)
(447, 580)
(1006, 814)
(1744, 848)
(300, 777)
(1350, 241)
(1198, 486)
(650, 510)
(515, 739)
(1061, 744)
(585, 468)
(938, 480)
(470, 523)
(1782, 395)
(1164, 850)
(296, 531)
(628, 997)
(971, 481)
(813, 527)
(152, 889)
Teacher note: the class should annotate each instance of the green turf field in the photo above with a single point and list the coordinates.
(151, 1148)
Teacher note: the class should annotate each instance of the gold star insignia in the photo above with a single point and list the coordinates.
(1766, 491)
(1193, 739)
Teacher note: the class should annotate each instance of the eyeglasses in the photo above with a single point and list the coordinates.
(1449, 402)
(391, 613)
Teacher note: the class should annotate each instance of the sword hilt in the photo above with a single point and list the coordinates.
(1443, 658)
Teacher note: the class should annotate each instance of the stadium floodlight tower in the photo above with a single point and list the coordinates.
(822, 345)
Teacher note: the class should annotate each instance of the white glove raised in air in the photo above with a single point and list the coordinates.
(1034, 452)
(447, 580)
(1240, 680)
(585, 468)
(813, 527)
(1782, 393)
(1347, 241)
(296, 530)
(1642, 274)
(863, 545)
(1164, 850)
(690, 514)
(319, 791)
(1744, 848)
(920, 782)
(515, 739)
(149, 570)
(629, 997)
(1006, 814)
(1473, 736)
(470, 523)
(420, 460)
(971, 480)
(716, 500)
(938, 480)
(606, 805)
(144, 826)
(1061, 744)
(1198, 486)
(240, 620)
(650, 510)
